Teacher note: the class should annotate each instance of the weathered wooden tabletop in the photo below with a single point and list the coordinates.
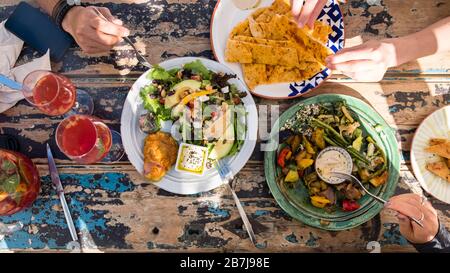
(117, 210)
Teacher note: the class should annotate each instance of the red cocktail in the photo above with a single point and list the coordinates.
(19, 182)
(84, 139)
(52, 93)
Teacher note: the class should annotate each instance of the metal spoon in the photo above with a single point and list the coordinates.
(354, 179)
(140, 57)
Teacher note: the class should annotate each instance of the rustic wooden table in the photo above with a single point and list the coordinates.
(117, 210)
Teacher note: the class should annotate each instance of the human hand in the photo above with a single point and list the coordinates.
(306, 11)
(92, 33)
(412, 205)
(367, 62)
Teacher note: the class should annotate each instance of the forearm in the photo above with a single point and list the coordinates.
(441, 243)
(47, 5)
(431, 40)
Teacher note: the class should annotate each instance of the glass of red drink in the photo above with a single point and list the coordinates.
(55, 94)
(86, 140)
(19, 182)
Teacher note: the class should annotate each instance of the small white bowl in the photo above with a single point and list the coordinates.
(195, 155)
(346, 158)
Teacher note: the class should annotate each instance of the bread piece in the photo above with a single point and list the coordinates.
(440, 169)
(441, 149)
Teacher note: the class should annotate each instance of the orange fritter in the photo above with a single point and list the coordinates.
(160, 154)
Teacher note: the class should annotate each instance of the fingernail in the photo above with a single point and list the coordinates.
(401, 218)
(387, 204)
(118, 22)
(126, 33)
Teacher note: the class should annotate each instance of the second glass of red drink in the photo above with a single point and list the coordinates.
(55, 94)
(86, 140)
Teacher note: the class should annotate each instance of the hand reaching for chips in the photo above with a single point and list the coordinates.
(306, 11)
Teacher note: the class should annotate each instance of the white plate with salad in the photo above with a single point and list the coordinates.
(161, 92)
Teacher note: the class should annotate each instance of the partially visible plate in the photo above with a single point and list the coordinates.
(175, 182)
(296, 201)
(436, 125)
(226, 16)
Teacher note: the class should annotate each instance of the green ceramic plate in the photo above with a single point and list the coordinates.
(296, 202)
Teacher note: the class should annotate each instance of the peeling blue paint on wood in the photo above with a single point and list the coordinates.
(44, 222)
(219, 212)
(312, 240)
(261, 212)
(392, 236)
(291, 238)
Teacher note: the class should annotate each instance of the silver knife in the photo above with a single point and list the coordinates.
(60, 191)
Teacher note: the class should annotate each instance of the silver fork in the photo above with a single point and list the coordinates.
(354, 179)
(227, 177)
(140, 57)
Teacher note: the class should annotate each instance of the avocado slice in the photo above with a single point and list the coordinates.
(179, 89)
(225, 143)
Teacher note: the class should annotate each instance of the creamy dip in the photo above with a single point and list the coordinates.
(333, 159)
(246, 4)
(192, 159)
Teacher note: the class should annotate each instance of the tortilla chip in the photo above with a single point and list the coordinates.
(241, 29)
(319, 51)
(245, 52)
(275, 43)
(282, 28)
(264, 15)
(272, 30)
(312, 69)
(436, 141)
(440, 169)
(304, 57)
(281, 6)
(272, 49)
(254, 74)
(258, 30)
(305, 71)
(320, 32)
(442, 149)
(277, 74)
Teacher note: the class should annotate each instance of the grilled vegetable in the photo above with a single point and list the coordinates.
(357, 143)
(305, 163)
(284, 155)
(292, 176)
(348, 205)
(379, 180)
(295, 144)
(319, 201)
(347, 114)
(308, 146)
(317, 138)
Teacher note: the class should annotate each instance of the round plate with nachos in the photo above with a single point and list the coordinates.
(266, 49)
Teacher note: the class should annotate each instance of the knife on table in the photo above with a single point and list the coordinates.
(60, 191)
